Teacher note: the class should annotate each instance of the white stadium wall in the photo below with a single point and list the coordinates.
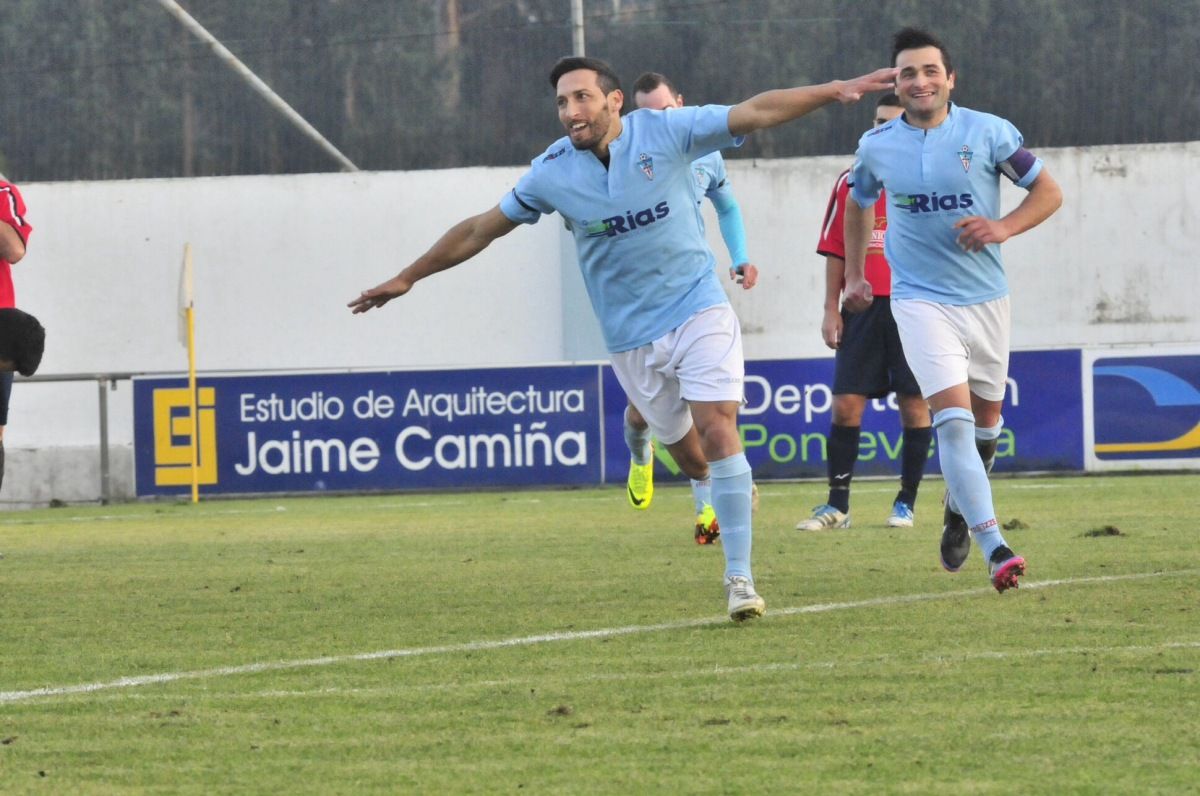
(278, 257)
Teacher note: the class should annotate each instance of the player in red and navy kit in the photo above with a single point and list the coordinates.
(870, 363)
(14, 234)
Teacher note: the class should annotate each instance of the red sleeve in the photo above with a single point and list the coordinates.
(12, 210)
(833, 240)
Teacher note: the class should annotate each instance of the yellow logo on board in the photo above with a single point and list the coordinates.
(173, 436)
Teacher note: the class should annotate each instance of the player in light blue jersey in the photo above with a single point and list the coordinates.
(941, 166)
(625, 187)
(656, 92)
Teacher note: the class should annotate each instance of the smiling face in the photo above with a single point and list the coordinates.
(591, 117)
(923, 85)
(658, 99)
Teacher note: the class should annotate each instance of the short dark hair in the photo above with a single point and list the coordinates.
(887, 101)
(915, 38)
(648, 81)
(22, 340)
(605, 76)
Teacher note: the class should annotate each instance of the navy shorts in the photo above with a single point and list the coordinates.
(870, 360)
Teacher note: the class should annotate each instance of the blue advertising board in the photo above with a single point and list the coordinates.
(785, 421)
(1145, 410)
(370, 431)
(550, 425)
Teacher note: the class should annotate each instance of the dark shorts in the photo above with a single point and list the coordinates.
(871, 360)
(6, 380)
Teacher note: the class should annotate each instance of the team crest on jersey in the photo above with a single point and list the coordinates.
(964, 157)
(646, 164)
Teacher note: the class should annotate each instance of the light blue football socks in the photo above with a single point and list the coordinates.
(702, 494)
(985, 443)
(966, 477)
(731, 485)
(638, 442)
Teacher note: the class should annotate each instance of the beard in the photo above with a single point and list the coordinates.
(592, 135)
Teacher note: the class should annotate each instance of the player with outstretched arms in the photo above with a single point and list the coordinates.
(625, 186)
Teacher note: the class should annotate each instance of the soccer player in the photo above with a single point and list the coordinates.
(869, 363)
(941, 166)
(14, 234)
(656, 92)
(625, 186)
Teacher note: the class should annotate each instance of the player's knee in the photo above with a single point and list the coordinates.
(720, 439)
(848, 409)
(914, 411)
(634, 418)
(688, 455)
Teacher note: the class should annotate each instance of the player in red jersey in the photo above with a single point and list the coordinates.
(870, 364)
(14, 234)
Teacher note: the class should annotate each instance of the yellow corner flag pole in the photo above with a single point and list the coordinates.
(189, 310)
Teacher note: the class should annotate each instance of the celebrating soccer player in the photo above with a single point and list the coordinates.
(625, 187)
(941, 166)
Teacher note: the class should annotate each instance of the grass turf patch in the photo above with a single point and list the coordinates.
(558, 642)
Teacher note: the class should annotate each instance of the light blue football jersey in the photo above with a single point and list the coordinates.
(637, 225)
(933, 178)
(710, 175)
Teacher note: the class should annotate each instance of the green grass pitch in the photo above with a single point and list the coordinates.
(559, 642)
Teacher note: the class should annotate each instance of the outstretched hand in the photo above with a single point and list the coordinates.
(851, 91)
(380, 294)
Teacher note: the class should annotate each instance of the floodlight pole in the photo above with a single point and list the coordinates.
(577, 29)
(274, 100)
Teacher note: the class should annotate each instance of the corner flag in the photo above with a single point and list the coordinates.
(187, 336)
(185, 295)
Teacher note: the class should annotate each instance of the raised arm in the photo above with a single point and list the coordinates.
(461, 242)
(775, 107)
(1043, 199)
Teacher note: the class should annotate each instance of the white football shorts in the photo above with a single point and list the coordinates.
(701, 360)
(947, 345)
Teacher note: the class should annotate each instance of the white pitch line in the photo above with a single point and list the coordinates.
(754, 668)
(154, 516)
(188, 514)
(525, 641)
(689, 674)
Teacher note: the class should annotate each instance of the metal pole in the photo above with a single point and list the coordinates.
(577, 30)
(277, 102)
(105, 475)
